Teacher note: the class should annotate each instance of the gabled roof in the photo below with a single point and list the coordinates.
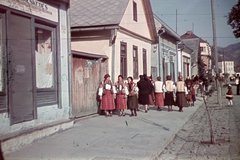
(86, 13)
(194, 45)
(191, 35)
(220, 59)
(168, 29)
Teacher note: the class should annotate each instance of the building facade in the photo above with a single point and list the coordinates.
(113, 37)
(34, 86)
(164, 54)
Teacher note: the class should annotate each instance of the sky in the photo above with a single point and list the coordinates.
(196, 16)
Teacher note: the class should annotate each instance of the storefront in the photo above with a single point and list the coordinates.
(34, 47)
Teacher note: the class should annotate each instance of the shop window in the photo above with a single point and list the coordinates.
(123, 67)
(44, 58)
(135, 62)
(45, 65)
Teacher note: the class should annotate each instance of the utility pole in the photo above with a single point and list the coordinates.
(219, 100)
(176, 20)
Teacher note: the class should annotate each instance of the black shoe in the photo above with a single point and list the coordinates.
(145, 111)
(131, 115)
(135, 114)
(110, 115)
(123, 114)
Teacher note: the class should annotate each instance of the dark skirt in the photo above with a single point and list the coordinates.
(193, 97)
(169, 99)
(181, 100)
(107, 101)
(143, 98)
(132, 102)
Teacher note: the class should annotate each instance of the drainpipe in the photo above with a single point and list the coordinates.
(113, 38)
(160, 32)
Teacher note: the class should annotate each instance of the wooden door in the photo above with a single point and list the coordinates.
(85, 83)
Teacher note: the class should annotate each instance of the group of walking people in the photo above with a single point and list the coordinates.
(145, 92)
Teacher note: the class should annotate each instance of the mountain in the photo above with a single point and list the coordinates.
(232, 52)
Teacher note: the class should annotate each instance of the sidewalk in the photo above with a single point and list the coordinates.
(100, 138)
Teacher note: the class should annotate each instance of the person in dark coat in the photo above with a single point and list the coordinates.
(144, 87)
(188, 80)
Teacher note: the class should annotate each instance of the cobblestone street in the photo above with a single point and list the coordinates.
(193, 139)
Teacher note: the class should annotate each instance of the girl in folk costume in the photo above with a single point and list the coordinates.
(122, 93)
(132, 96)
(229, 96)
(107, 93)
(181, 91)
(159, 88)
(189, 94)
(170, 87)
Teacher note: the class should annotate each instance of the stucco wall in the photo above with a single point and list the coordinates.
(130, 42)
(49, 113)
(140, 27)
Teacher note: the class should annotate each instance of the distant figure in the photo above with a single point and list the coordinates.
(229, 96)
(170, 87)
(188, 80)
(193, 93)
(201, 89)
(107, 92)
(181, 92)
(238, 84)
(151, 93)
(189, 94)
(159, 88)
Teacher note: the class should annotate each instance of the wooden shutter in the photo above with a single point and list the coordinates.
(20, 73)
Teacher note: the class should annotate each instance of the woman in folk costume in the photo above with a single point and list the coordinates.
(229, 96)
(189, 94)
(159, 88)
(151, 94)
(170, 87)
(181, 92)
(121, 98)
(107, 93)
(132, 96)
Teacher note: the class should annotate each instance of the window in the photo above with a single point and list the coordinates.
(45, 65)
(1, 55)
(144, 61)
(134, 11)
(135, 62)
(203, 49)
(123, 67)
(44, 58)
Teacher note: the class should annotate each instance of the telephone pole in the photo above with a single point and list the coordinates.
(219, 100)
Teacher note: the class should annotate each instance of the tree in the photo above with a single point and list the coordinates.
(234, 19)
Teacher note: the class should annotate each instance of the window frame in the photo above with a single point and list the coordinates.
(51, 93)
(144, 61)
(135, 63)
(135, 11)
(123, 57)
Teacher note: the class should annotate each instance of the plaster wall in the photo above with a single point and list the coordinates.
(140, 26)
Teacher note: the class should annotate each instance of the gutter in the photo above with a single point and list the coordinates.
(95, 28)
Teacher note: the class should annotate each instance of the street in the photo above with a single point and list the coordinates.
(154, 135)
(193, 139)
